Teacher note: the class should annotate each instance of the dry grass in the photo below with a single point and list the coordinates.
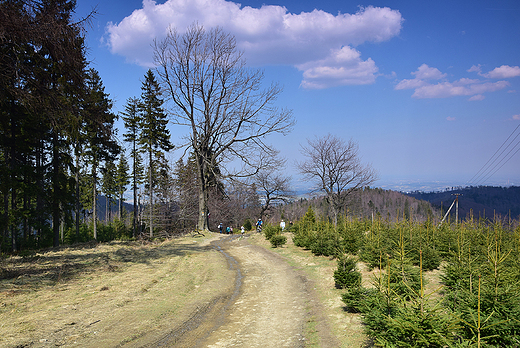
(128, 293)
(98, 295)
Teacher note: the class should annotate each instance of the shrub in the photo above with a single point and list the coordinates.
(415, 326)
(405, 281)
(303, 238)
(248, 226)
(346, 276)
(85, 234)
(278, 240)
(352, 235)
(299, 240)
(309, 217)
(430, 258)
(353, 299)
(270, 230)
(393, 324)
(374, 255)
(326, 242)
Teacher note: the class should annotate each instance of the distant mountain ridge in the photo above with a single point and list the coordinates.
(102, 205)
(366, 203)
(482, 201)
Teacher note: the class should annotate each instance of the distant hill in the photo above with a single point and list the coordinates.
(367, 203)
(483, 201)
(102, 204)
(391, 205)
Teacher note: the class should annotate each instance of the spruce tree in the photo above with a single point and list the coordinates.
(132, 121)
(154, 137)
(122, 180)
(42, 60)
(109, 186)
(99, 129)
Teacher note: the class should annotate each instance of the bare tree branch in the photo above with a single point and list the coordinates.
(273, 187)
(335, 167)
(223, 103)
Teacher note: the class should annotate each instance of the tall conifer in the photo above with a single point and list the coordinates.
(154, 137)
(101, 145)
(122, 180)
(132, 120)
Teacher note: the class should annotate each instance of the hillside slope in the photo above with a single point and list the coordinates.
(366, 203)
(481, 201)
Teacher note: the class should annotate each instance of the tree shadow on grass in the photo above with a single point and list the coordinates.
(59, 265)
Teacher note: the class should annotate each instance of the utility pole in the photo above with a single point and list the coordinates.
(456, 202)
(457, 206)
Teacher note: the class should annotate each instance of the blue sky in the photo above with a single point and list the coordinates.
(428, 89)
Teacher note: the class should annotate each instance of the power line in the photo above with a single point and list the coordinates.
(476, 176)
(518, 143)
(490, 168)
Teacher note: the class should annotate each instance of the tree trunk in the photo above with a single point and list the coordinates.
(77, 208)
(94, 202)
(120, 208)
(5, 230)
(25, 208)
(12, 167)
(56, 192)
(203, 223)
(139, 215)
(151, 194)
(13, 224)
(134, 222)
(39, 199)
(136, 205)
(62, 226)
(264, 208)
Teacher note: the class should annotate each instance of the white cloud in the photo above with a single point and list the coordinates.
(424, 88)
(457, 88)
(422, 75)
(503, 72)
(449, 118)
(516, 117)
(475, 68)
(477, 97)
(410, 84)
(424, 72)
(341, 67)
(318, 43)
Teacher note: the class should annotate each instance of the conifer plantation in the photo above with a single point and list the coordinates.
(475, 302)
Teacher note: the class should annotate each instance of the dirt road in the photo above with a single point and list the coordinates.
(215, 291)
(271, 305)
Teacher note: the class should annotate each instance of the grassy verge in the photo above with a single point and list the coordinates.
(96, 295)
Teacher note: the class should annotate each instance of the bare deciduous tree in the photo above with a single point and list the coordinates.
(334, 165)
(274, 187)
(222, 102)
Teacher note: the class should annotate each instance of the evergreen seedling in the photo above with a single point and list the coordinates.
(346, 276)
(270, 231)
(278, 240)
